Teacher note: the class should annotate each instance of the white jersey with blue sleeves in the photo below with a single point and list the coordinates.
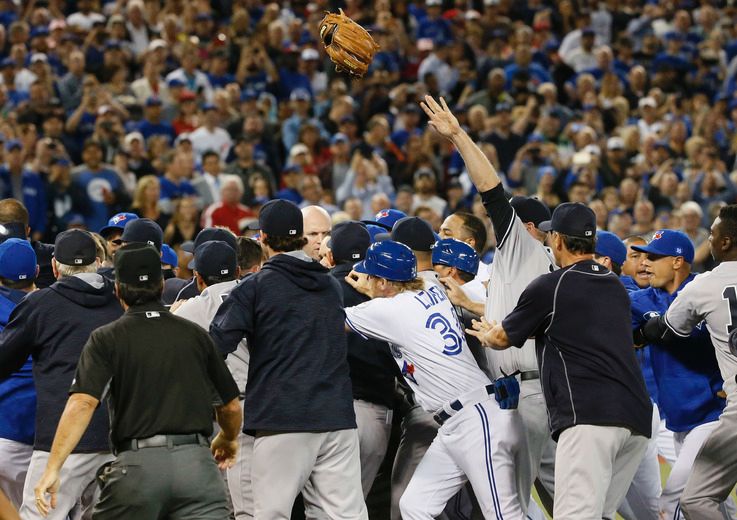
(426, 341)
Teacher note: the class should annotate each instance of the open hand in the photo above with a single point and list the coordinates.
(482, 330)
(441, 118)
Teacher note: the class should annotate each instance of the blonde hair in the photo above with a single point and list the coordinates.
(144, 183)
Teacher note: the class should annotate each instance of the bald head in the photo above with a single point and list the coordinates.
(317, 225)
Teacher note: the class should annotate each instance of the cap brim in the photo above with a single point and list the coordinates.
(648, 249)
(107, 230)
(190, 265)
(546, 226)
(187, 246)
(381, 237)
(374, 223)
(360, 267)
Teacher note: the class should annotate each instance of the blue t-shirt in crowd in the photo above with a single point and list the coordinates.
(93, 185)
(172, 191)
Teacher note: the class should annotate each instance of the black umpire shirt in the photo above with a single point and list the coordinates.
(580, 318)
(157, 371)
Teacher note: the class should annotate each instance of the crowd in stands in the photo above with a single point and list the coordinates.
(195, 113)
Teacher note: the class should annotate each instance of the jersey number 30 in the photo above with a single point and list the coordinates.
(453, 342)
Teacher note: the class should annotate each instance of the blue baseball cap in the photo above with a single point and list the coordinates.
(117, 223)
(374, 230)
(609, 244)
(153, 101)
(175, 82)
(169, 256)
(668, 242)
(17, 260)
(389, 260)
(454, 253)
(13, 144)
(386, 218)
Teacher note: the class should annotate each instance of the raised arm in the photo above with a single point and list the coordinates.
(482, 173)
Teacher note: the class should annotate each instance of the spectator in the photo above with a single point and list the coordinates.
(313, 195)
(194, 79)
(365, 178)
(228, 212)
(247, 168)
(104, 188)
(152, 123)
(208, 183)
(209, 136)
(66, 201)
(135, 147)
(184, 223)
(334, 173)
(146, 201)
(70, 85)
(426, 192)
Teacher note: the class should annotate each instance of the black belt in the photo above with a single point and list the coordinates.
(530, 375)
(161, 441)
(456, 406)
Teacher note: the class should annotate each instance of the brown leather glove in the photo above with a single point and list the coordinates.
(349, 45)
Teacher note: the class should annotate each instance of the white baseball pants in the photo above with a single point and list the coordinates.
(239, 479)
(14, 460)
(470, 447)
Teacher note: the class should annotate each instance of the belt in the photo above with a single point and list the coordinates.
(456, 406)
(161, 441)
(529, 375)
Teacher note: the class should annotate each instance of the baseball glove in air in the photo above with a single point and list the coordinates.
(349, 45)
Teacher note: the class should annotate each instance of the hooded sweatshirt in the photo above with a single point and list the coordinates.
(53, 325)
(291, 314)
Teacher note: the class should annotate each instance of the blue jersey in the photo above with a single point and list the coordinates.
(643, 354)
(17, 392)
(94, 185)
(686, 370)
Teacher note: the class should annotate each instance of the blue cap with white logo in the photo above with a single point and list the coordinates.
(17, 260)
(454, 253)
(609, 244)
(169, 256)
(386, 218)
(389, 260)
(668, 242)
(117, 223)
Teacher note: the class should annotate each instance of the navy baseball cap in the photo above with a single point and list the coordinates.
(208, 234)
(117, 223)
(281, 218)
(454, 253)
(169, 256)
(12, 230)
(153, 101)
(215, 258)
(572, 219)
(349, 241)
(13, 144)
(609, 244)
(75, 247)
(412, 232)
(143, 231)
(668, 242)
(137, 264)
(386, 218)
(17, 260)
(389, 260)
(530, 209)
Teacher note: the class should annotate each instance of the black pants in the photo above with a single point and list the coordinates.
(179, 483)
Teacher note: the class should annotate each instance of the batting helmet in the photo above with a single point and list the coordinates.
(390, 260)
(454, 253)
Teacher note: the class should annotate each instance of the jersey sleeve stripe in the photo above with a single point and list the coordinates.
(501, 241)
(355, 329)
(672, 328)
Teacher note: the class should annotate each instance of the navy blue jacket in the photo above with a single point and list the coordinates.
(53, 326)
(686, 370)
(291, 314)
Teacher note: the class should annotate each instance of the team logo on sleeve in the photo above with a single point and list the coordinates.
(408, 371)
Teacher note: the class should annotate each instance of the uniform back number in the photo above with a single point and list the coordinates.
(452, 339)
(730, 294)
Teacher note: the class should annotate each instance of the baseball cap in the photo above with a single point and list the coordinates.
(647, 101)
(137, 264)
(158, 43)
(339, 138)
(215, 258)
(297, 149)
(12, 230)
(609, 244)
(281, 218)
(309, 54)
(667, 242)
(349, 241)
(143, 231)
(75, 247)
(209, 234)
(572, 219)
(39, 57)
(424, 172)
(414, 233)
(454, 253)
(169, 256)
(13, 144)
(17, 260)
(615, 143)
(374, 230)
(8, 62)
(386, 218)
(117, 223)
(299, 94)
(153, 101)
(530, 209)
(390, 260)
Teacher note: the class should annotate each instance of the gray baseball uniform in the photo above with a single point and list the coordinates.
(712, 297)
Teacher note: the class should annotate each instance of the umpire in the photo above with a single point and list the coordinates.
(160, 410)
